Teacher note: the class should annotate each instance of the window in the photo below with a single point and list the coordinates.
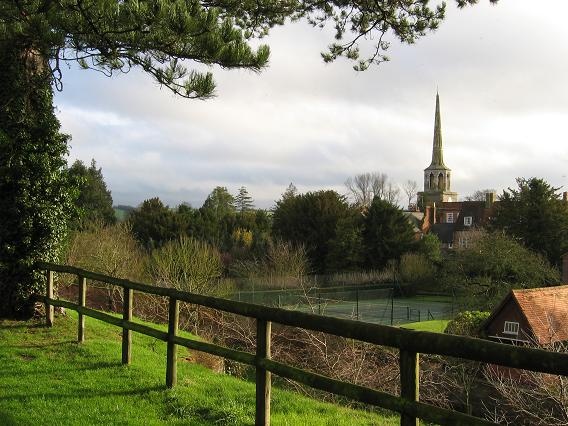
(463, 242)
(450, 217)
(468, 220)
(511, 327)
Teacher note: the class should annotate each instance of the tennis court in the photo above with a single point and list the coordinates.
(382, 310)
(374, 305)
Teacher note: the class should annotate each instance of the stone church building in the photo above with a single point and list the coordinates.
(439, 210)
(437, 179)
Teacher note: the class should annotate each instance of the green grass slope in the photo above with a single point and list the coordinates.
(47, 378)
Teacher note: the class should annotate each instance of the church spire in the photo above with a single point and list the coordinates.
(437, 183)
(437, 149)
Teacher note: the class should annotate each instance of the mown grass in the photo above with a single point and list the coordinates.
(436, 326)
(47, 378)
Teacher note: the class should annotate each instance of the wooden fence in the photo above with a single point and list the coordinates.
(409, 343)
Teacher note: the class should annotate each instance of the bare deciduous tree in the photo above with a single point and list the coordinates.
(392, 193)
(530, 397)
(364, 187)
(478, 195)
(410, 187)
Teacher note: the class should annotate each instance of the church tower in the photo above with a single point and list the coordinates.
(437, 176)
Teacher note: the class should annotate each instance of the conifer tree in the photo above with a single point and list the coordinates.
(243, 201)
(94, 199)
(387, 234)
(290, 192)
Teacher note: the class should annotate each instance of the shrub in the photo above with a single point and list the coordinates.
(467, 323)
(415, 268)
(186, 264)
(284, 265)
(110, 250)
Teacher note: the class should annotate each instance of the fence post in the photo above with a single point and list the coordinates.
(392, 305)
(173, 322)
(49, 310)
(126, 333)
(263, 379)
(82, 281)
(409, 383)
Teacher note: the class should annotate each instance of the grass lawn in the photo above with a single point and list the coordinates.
(436, 326)
(47, 378)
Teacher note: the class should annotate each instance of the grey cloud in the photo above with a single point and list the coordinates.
(502, 89)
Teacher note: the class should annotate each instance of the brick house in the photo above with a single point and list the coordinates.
(454, 223)
(536, 315)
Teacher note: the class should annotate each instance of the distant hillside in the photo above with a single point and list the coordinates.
(122, 212)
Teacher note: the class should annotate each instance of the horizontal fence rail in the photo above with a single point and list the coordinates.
(410, 344)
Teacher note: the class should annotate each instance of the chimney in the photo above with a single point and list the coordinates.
(433, 212)
(565, 267)
(489, 199)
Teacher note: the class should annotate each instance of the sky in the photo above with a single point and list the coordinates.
(501, 72)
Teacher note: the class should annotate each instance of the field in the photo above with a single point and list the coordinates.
(47, 378)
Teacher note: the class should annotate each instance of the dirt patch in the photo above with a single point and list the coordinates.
(26, 357)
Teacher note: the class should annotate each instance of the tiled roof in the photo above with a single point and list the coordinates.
(444, 231)
(546, 310)
(415, 218)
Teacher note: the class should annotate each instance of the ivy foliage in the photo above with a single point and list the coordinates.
(37, 197)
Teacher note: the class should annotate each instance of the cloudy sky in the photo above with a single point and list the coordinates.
(502, 74)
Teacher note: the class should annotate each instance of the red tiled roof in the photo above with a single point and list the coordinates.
(546, 310)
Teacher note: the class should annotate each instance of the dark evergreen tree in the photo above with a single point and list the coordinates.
(310, 219)
(387, 234)
(94, 201)
(243, 201)
(536, 215)
(346, 251)
(154, 223)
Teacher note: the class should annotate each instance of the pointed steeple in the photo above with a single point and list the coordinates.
(437, 179)
(437, 148)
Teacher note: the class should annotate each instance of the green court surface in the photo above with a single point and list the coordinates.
(382, 310)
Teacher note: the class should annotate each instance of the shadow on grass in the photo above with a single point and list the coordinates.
(52, 371)
(42, 345)
(27, 396)
(6, 419)
(16, 325)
